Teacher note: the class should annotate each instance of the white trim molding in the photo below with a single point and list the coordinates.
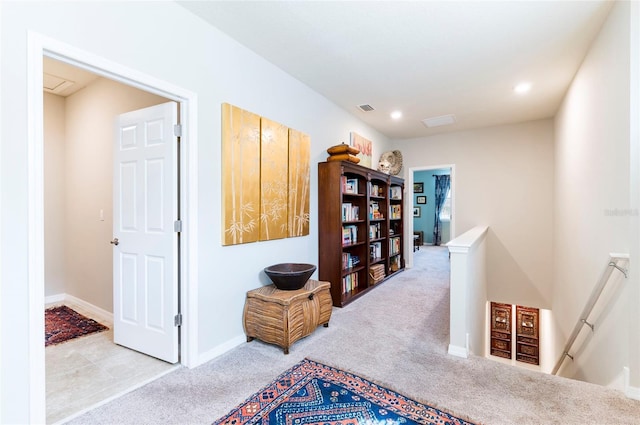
(103, 316)
(457, 351)
(629, 391)
(222, 349)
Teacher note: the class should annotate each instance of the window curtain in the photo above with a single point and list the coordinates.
(442, 187)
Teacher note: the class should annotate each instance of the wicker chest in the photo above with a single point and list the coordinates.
(283, 317)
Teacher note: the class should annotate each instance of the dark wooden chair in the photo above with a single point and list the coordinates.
(418, 239)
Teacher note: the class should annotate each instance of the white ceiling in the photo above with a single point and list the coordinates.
(425, 58)
(63, 79)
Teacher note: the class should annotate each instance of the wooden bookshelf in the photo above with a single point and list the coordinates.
(361, 239)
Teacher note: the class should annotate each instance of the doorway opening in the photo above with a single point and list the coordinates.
(79, 113)
(40, 47)
(422, 202)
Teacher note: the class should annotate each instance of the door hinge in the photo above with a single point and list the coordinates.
(177, 226)
(177, 130)
(177, 320)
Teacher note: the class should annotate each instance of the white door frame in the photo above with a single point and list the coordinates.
(39, 46)
(408, 223)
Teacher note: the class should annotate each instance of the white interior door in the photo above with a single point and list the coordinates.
(145, 260)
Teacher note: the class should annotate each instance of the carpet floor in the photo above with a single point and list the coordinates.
(397, 336)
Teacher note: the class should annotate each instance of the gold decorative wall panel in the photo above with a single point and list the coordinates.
(265, 178)
(240, 175)
(299, 171)
(274, 147)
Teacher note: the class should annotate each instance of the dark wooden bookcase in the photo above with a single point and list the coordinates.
(361, 238)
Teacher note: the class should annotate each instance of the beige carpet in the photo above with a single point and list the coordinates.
(396, 335)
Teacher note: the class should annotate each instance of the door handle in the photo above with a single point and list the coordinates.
(115, 241)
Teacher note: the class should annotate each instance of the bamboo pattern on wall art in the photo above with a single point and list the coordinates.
(265, 178)
(299, 180)
(240, 175)
(274, 144)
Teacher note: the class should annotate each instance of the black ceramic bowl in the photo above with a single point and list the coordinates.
(290, 276)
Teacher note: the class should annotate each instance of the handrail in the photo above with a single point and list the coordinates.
(591, 302)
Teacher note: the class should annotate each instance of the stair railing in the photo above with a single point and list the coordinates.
(613, 264)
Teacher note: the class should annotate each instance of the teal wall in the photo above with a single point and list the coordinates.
(426, 220)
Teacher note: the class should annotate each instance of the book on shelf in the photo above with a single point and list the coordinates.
(350, 212)
(375, 231)
(349, 185)
(395, 211)
(376, 190)
(349, 283)
(394, 246)
(349, 234)
(395, 192)
(374, 211)
(375, 251)
(349, 260)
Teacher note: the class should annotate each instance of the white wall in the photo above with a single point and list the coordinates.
(592, 214)
(504, 179)
(54, 194)
(179, 48)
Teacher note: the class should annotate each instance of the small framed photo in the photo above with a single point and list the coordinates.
(416, 211)
(418, 187)
(421, 199)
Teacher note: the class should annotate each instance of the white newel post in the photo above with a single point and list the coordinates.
(467, 292)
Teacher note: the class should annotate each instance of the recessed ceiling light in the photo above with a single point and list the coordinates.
(522, 88)
(396, 115)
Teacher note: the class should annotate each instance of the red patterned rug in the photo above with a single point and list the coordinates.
(62, 324)
(313, 393)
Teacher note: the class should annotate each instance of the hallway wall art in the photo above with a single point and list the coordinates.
(265, 178)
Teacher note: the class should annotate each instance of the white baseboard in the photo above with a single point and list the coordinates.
(95, 312)
(629, 391)
(54, 299)
(220, 350)
(454, 350)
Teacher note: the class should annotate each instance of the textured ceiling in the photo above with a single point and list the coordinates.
(425, 58)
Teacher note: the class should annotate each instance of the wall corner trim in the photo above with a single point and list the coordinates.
(457, 351)
(629, 391)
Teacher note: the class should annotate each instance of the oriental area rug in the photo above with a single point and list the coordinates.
(63, 323)
(313, 393)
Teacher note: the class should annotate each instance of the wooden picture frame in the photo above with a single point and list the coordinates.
(421, 200)
(418, 187)
(416, 211)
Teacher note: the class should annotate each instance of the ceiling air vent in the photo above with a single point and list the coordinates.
(54, 84)
(365, 108)
(438, 121)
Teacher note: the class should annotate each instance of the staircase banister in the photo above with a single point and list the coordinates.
(612, 264)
